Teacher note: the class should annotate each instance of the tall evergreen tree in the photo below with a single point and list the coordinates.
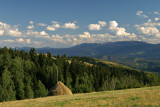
(7, 87)
(40, 90)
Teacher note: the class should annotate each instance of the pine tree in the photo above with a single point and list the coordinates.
(7, 87)
(40, 90)
(18, 77)
(28, 86)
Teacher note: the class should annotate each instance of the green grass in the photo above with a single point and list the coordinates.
(139, 97)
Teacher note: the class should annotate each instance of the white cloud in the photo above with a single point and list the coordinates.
(42, 24)
(119, 31)
(156, 12)
(54, 22)
(70, 26)
(97, 26)
(9, 40)
(58, 38)
(20, 40)
(151, 24)
(31, 22)
(57, 25)
(44, 34)
(113, 24)
(102, 23)
(94, 27)
(14, 33)
(140, 13)
(157, 19)
(31, 32)
(36, 34)
(148, 30)
(30, 27)
(85, 35)
(6, 29)
(50, 28)
(54, 26)
(28, 40)
(1, 32)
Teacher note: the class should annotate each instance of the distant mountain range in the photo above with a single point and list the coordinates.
(130, 49)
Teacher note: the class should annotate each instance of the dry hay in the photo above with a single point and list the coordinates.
(60, 89)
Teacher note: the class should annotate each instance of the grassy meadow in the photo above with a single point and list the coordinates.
(139, 97)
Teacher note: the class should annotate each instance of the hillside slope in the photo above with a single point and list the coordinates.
(148, 96)
(135, 54)
(30, 75)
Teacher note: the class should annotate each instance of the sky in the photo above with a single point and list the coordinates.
(66, 23)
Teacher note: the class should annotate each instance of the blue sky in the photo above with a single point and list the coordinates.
(65, 23)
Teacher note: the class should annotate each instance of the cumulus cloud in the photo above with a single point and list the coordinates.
(54, 26)
(14, 32)
(150, 23)
(85, 35)
(32, 33)
(119, 31)
(54, 22)
(157, 19)
(97, 26)
(70, 26)
(57, 38)
(30, 27)
(113, 24)
(94, 27)
(36, 34)
(41, 24)
(20, 40)
(6, 29)
(148, 30)
(28, 40)
(1, 32)
(102, 23)
(156, 12)
(44, 34)
(50, 28)
(8, 40)
(140, 13)
(31, 22)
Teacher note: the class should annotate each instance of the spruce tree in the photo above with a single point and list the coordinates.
(7, 87)
(40, 90)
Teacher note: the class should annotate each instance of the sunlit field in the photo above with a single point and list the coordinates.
(149, 96)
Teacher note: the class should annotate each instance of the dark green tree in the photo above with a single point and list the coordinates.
(7, 87)
(40, 90)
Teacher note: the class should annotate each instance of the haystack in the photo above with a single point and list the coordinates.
(59, 89)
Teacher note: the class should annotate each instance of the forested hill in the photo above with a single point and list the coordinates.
(30, 75)
(135, 54)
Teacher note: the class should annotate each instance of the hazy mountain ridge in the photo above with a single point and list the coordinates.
(118, 49)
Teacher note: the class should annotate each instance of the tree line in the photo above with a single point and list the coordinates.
(25, 75)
